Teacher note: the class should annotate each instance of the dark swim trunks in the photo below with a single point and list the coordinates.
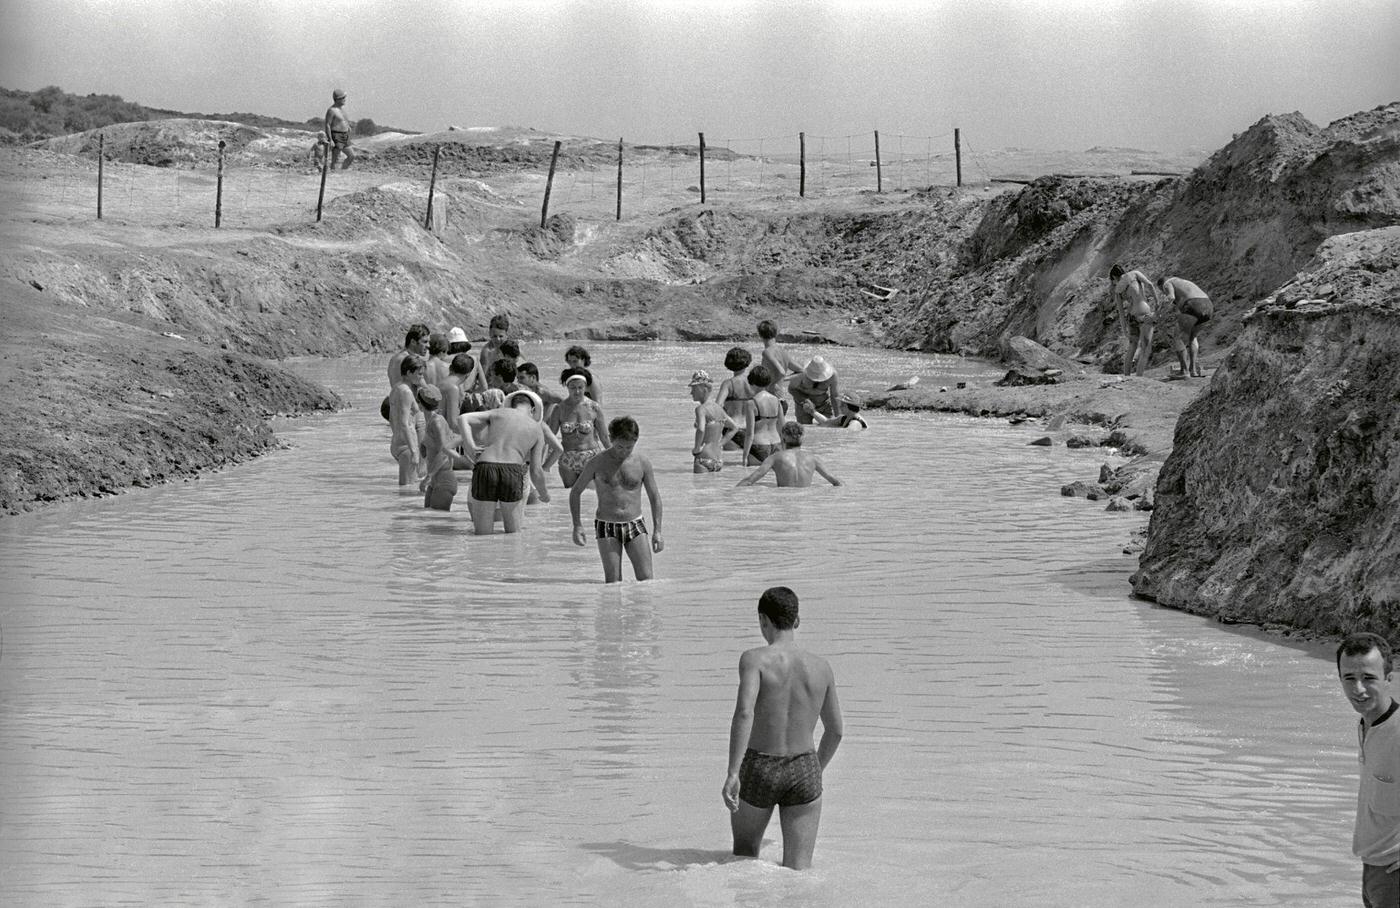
(504, 482)
(341, 140)
(766, 780)
(1200, 307)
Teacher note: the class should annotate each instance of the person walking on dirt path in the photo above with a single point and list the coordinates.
(1193, 310)
(1366, 666)
(620, 474)
(792, 466)
(818, 384)
(338, 130)
(778, 360)
(1131, 290)
(783, 690)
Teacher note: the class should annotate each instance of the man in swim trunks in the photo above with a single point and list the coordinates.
(780, 363)
(1130, 292)
(710, 424)
(817, 384)
(792, 465)
(621, 474)
(514, 452)
(405, 442)
(338, 130)
(783, 690)
(1193, 310)
(1366, 668)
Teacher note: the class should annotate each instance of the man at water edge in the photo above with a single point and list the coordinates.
(783, 690)
(621, 475)
(1365, 666)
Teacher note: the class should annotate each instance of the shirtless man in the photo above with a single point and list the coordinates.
(338, 130)
(818, 385)
(1193, 309)
(498, 332)
(461, 374)
(710, 424)
(403, 412)
(527, 376)
(438, 359)
(779, 362)
(514, 451)
(1131, 290)
(792, 465)
(415, 343)
(621, 474)
(783, 690)
(440, 445)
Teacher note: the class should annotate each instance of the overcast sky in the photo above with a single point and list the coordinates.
(1056, 74)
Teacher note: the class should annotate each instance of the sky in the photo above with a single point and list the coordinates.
(1164, 75)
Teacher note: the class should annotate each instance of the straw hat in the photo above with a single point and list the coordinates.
(536, 405)
(818, 369)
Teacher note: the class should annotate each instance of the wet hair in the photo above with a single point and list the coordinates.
(529, 369)
(780, 605)
(624, 427)
(1115, 272)
(411, 363)
(791, 433)
(415, 333)
(577, 352)
(1361, 644)
(503, 369)
(428, 397)
(737, 359)
(437, 343)
(767, 330)
(509, 348)
(500, 322)
(760, 377)
(462, 364)
(574, 370)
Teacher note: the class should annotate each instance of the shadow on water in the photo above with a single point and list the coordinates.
(631, 856)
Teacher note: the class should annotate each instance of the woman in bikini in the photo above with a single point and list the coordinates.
(764, 420)
(580, 425)
(735, 395)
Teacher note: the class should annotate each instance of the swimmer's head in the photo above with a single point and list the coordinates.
(849, 402)
(791, 433)
(493, 398)
(527, 373)
(624, 428)
(462, 364)
(737, 359)
(437, 343)
(578, 357)
(411, 363)
(338, 95)
(1115, 272)
(429, 397)
(760, 377)
(767, 330)
(576, 379)
(779, 605)
(500, 322)
(503, 371)
(526, 400)
(701, 377)
(416, 333)
(510, 349)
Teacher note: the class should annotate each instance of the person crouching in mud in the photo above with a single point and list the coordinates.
(621, 474)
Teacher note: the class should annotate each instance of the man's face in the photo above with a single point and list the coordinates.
(498, 335)
(624, 446)
(1366, 684)
(526, 380)
(419, 346)
(414, 377)
(575, 362)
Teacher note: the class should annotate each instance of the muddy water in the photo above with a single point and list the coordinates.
(288, 684)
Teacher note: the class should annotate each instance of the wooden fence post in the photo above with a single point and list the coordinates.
(549, 184)
(219, 192)
(325, 168)
(879, 177)
(802, 163)
(432, 186)
(101, 145)
(957, 152)
(619, 179)
(702, 168)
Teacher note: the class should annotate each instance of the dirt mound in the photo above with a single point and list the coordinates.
(161, 143)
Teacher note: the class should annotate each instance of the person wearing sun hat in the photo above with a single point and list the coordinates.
(337, 130)
(816, 384)
(710, 424)
(514, 455)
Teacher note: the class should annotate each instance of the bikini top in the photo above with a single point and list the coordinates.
(575, 428)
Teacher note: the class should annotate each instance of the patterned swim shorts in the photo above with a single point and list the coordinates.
(785, 780)
(624, 530)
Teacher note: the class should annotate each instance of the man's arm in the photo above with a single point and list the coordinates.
(758, 474)
(653, 496)
(600, 426)
(585, 477)
(553, 445)
(825, 475)
(403, 419)
(330, 119)
(537, 475)
(741, 726)
(699, 431)
(832, 729)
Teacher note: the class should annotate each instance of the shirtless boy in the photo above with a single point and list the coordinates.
(783, 689)
(415, 343)
(710, 424)
(338, 130)
(792, 465)
(779, 362)
(1131, 289)
(1193, 310)
(499, 331)
(514, 451)
(621, 474)
(403, 413)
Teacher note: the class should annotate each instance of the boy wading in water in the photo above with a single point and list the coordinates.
(621, 474)
(783, 689)
(792, 465)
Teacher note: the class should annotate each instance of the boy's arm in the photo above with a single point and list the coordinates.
(832, 729)
(825, 475)
(741, 726)
(553, 445)
(758, 474)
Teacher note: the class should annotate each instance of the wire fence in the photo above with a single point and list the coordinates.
(653, 177)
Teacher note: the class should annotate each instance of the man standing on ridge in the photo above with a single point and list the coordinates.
(338, 130)
(1365, 664)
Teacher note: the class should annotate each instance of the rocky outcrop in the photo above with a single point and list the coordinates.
(1280, 501)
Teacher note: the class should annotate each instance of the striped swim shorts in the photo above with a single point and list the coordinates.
(623, 530)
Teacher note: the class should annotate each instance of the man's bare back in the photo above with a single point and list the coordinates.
(793, 467)
(793, 684)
